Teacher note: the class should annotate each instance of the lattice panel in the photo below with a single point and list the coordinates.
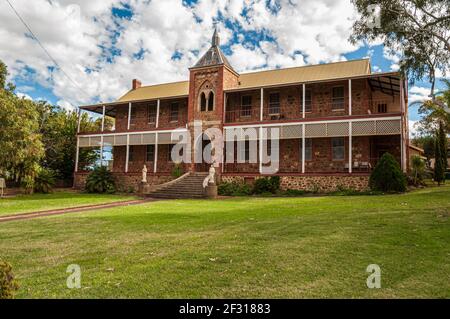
(238, 134)
(269, 132)
(291, 131)
(135, 139)
(363, 128)
(316, 130)
(385, 127)
(337, 129)
(84, 142)
(120, 140)
(164, 138)
(148, 138)
(108, 140)
(95, 141)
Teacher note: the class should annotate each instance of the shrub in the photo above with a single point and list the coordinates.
(267, 185)
(234, 189)
(387, 175)
(100, 180)
(44, 181)
(177, 170)
(293, 192)
(8, 284)
(418, 169)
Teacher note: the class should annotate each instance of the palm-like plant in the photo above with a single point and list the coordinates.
(100, 180)
(418, 167)
(44, 181)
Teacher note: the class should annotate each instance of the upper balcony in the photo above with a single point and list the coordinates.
(356, 97)
(137, 116)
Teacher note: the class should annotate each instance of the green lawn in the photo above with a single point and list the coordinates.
(244, 247)
(38, 202)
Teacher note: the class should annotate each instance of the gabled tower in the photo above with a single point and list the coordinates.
(207, 80)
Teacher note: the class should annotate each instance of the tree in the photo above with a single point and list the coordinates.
(418, 167)
(20, 140)
(426, 142)
(417, 29)
(387, 175)
(436, 111)
(440, 155)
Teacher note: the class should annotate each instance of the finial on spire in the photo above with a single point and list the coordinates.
(215, 37)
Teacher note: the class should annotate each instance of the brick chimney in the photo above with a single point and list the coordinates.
(136, 84)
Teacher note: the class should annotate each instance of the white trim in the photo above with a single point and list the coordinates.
(350, 145)
(129, 115)
(313, 122)
(101, 150)
(303, 99)
(77, 154)
(103, 118)
(182, 129)
(260, 149)
(79, 120)
(303, 148)
(157, 112)
(127, 153)
(155, 162)
(349, 96)
(261, 106)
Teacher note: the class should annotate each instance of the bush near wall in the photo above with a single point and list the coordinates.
(387, 176)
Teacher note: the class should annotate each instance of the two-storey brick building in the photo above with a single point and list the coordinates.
(335, 121)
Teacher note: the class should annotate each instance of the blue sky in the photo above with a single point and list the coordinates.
(101, 46)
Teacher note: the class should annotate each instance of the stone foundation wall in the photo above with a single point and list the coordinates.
(322, 183)
(124, 182)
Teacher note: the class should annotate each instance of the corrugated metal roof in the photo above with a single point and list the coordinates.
(159, 91)
(309, 73)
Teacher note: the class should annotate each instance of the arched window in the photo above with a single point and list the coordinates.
(211, 101)
(202, 102)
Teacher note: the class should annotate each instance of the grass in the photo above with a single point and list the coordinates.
(56, 200)
(240, 247)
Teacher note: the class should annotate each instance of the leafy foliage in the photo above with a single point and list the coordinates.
(387, 175)
(100, 180)
(44, 181)
(8, 284)
(177, 170)
(267, 185)
(440, 155)
(234, 189)
(20, 140)
(419, 30)
(418, 169)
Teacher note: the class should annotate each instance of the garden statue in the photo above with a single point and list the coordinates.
(144, 174)
(210, 179)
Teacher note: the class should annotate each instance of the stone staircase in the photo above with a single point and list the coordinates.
(189, 185)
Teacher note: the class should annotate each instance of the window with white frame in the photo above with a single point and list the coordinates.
(308, 101)
(274, 103)
(174, 108)
(151, 113)
(338, 148)
(246, 106)
(337, 100)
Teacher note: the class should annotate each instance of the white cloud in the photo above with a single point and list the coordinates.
(23, 96)
(308, 31)
(418, 94)
(413, 128)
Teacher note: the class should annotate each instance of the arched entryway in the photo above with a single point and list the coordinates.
(203, 145)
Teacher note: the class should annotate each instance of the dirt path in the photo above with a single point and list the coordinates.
(77, 209)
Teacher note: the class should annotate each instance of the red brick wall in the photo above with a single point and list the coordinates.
(321, 95)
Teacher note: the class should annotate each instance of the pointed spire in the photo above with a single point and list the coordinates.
(214, 56)
(215, 38)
